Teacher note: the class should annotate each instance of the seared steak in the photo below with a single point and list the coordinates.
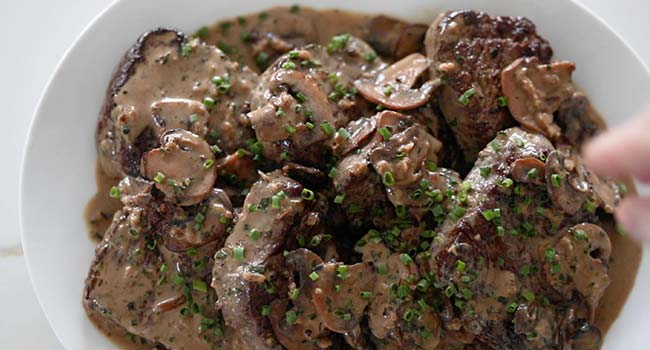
(152, 270)
(469, 49)
(166, 81)
(502, 261)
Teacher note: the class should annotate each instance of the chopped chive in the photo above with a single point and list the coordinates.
(371, 56)
(208, 102)
(266, 310)
(460, 266)
(291, 129)
(337, 43)
(115, 192)
(385, 133)
(550, 254)
(382, 269)
(177, 279)
(507, 182)
(556, 180)
(307, 194)
(409, 314)
(309, 125)
(388, 179)
(262, 59)
(532, 173)
(405, 258)
(494, 144)
(238, 253)
(327, 128)
(159, 178)
(388, 90)
(423, 285)
(431, 165)
(457, 212)
(512, 307)
(466, 96)
(339, 198)
(366, 294)
(581, 235)
(403, 291)
(332, 173)
(300, 97)
(255, 234)
(519, 142)
(200, 286)
(294, 293)
(215, 149)
(502, 101)
(288, 65)
(491, 214)
(344, 133)
(208, 163)
(501, 231)
(291, 317)
(589, 206)
(342, 272)
(485, 171)
(528, 296)
(314, 276)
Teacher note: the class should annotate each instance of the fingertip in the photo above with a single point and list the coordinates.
(632, 216)
(599, 153)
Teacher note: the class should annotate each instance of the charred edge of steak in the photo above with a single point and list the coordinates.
(120, 76)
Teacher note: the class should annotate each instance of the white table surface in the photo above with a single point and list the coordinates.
(39, 33)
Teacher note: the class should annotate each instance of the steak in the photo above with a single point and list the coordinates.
(167, 81)
(151, 271)
(500, 259)
(469, 49)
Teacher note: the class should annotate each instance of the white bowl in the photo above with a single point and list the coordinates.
(58, 169)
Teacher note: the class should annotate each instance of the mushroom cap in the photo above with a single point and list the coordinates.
(182, 167)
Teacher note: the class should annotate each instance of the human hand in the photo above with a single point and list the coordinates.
(623, 152)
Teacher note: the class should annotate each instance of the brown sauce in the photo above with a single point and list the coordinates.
(99, 211)
(623, 268)
(230, 36)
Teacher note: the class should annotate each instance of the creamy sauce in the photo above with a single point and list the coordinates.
(623, 267)
(314, 26)
(101, 207)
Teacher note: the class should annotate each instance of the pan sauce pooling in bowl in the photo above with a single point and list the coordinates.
(307, 179)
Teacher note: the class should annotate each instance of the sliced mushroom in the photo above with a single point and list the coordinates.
(360, 131)
(384, 312)
(395, 38)
(393, 87)
(311, 177)
(209, 222)
(406, 156)
(182, 167)
(580, 263)
(528, 170)
(180, 113)
(578, 120)
(573, 187)
(339, 294)
(535, 92)
(423, 330)
(299, 326)
(314, 99)
(270, 124)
